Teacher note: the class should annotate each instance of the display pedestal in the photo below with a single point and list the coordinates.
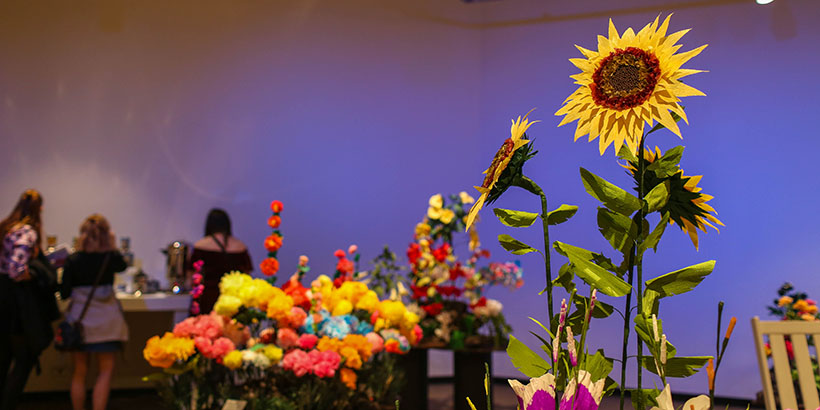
(468, 378)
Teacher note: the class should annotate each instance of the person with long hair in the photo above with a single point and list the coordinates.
(220, 253)
(94, 264)
(25, 329)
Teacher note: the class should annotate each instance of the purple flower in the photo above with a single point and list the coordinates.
(539, 394)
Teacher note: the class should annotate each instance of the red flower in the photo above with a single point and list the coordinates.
(413, 253)
(479, 303)
(419, 291)
(274, 221)
(338, 281)
(345, 266)
(276, 207)
(295, 290)
(789, 349)
(433, 308)
(339, 253)
(269, 266)
(456, 272)
(449, 290)
(442, 252)
(273, 243)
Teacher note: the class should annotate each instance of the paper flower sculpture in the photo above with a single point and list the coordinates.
(500, 162)
(686, 205)
(664, 400)
(632, 79)
(581, 393)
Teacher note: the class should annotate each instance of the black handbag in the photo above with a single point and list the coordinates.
(70, 335)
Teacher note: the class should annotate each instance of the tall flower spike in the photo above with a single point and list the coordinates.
(562, 317)
(655, 328)
(556, 345)
(573, 355)
(592, 299)
(663, 349)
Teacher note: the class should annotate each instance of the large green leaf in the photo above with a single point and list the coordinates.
(652, 240)
(651, 302)
(643, 327)
(515, 246)
(526, 360)
(618, 229)
(600, 311)
(598, 365)
(667, 165)
(657, 197)
(594, 275)
(562, 214)
(682, 366)
(516, 219)
(680, 281)
(564, 279)
(614, 197)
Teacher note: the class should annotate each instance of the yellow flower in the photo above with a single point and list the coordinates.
(368, 302)
(257, 292)
(632, 79)
(227, 305)
(273, 353)
(342, 308)
(465, 198)
(232, 283)
(436, 201)
(279, 307)
(166, 350)
(812, 309)
(409, 320)
(233, 360)
(784, 301)
(392, 311)
(447, 216)
(351, 356)
(422, 229)
(686, 206)
(348, 378)
(800, 306)
(500, 162)
(474, 240)
(808, 317)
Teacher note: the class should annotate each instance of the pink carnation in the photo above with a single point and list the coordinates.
(222, 346)
(286, 338)
(196, 278)
(325, 363)
(376, 342)
(417, 333)
(298, 361)
(209, 326)
(204, 345)
(186, 328)
(198, 265)
(307, 341)
(297, 317)
(196, 292)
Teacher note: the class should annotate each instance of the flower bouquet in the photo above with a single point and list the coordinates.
(448, 294)
(633, 79)
(330, 345)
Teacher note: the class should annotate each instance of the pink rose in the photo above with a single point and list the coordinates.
(286, 338)
(307, 341)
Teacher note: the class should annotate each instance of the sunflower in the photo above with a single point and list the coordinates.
(632, 79)
(686, 206)
(500, 161)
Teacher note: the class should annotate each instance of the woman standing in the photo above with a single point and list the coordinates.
(25, 314)
(220, 253)
(89, 273)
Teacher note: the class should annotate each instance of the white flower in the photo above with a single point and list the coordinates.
(695, 403)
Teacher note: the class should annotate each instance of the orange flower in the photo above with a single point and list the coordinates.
(274, 221)
(352, 358)
(392, 346)
(156, 355)
(269, 266)
(276, 207)
(348, 378)
(273, 243)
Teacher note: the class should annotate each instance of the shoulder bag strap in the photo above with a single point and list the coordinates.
(94, 288)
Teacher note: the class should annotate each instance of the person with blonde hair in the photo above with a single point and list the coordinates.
(27, 282)
(89, 274)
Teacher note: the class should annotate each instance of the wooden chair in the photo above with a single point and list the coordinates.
(797, 332)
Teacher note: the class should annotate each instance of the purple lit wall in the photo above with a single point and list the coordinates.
(354, 113)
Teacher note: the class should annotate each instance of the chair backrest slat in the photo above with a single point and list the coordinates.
(763, 363)
(802, 360)
(782, 372)
(797, 333)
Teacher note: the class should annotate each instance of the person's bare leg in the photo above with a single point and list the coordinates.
(78, 380)
(103, 385)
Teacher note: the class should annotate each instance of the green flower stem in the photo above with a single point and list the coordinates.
(627, 315)
(639, 253)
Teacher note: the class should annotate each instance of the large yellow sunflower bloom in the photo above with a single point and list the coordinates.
(632, 79)
(500, 161)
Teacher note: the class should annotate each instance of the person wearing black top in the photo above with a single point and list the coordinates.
(104, 327)
(220, 253)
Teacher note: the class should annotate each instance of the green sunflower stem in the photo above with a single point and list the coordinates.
(638, 253)
(627, 315)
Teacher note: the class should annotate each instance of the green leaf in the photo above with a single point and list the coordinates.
(562, 214)
(657, 197)
(525, 360)
(598, 365)
(564, 279)
(626, 154)
(618, 229)
(515, 219)
(667, 165)
(680, 281)
(683, 366)
(651, 302)
(614, 197)
(600, 311)
(594, 275)
(514, 246)
(654, 237)
(643, 327)
(643, 398)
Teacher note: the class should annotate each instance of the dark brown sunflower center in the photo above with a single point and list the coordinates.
(505, 151)
(625, 78)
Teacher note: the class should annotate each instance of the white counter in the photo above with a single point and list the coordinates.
(147, 315)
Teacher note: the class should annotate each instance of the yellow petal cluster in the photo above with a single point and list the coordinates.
(233, 360)
(227, 305)
(166, 350)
